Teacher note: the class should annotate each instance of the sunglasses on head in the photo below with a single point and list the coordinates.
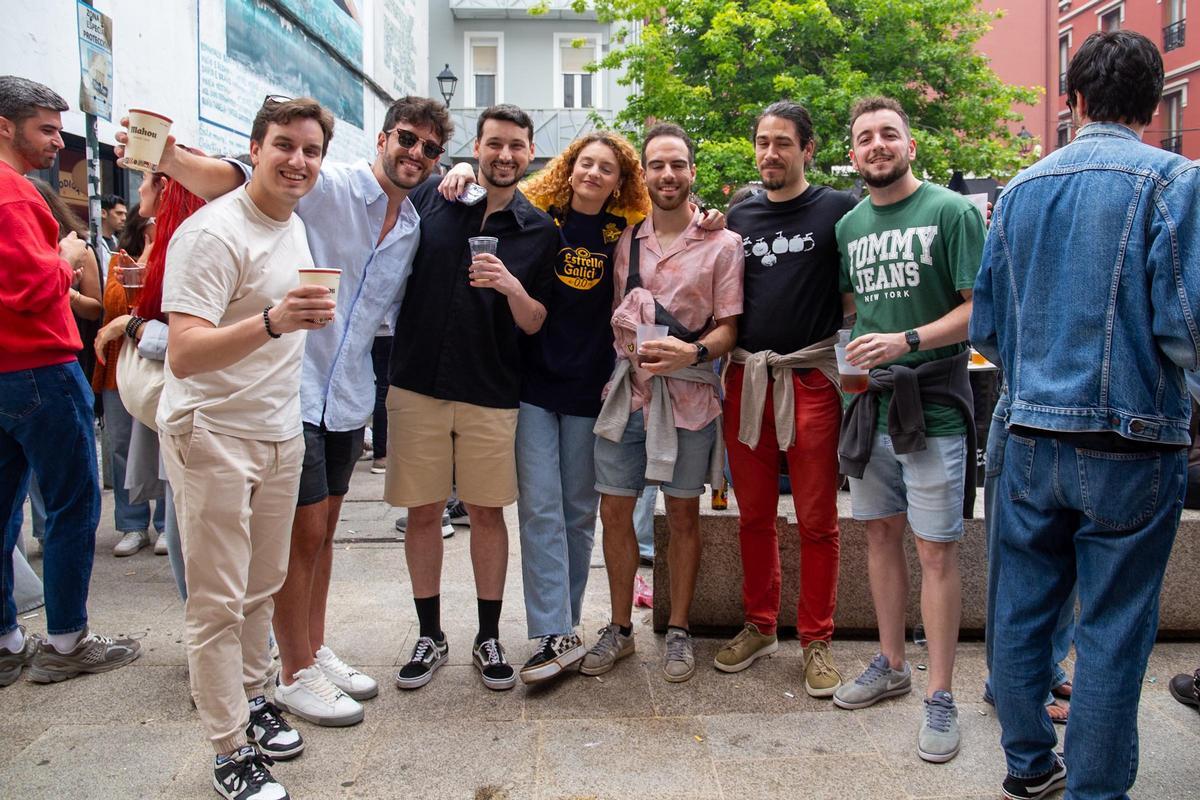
(276, 99)
(406, 139)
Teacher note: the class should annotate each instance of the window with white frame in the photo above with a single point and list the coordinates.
(1112, 17)
(575, 86)
(1064, 134)
(484, 60)
(1172, 120)
(1064, 60)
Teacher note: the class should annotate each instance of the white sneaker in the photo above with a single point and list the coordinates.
(314, 698)
(160, 545)
(402, 526)
(346, 677)
(130, 543)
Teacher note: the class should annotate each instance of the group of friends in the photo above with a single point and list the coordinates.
(527, 375)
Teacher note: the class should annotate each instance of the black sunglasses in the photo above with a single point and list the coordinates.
(407, 139)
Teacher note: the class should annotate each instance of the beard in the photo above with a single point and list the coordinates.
(40, 159)
(879, 181)
(774, 184)
(500, 183)
(669, 204)
(401, 182)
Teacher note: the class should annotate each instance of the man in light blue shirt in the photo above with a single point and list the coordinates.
(359, 220)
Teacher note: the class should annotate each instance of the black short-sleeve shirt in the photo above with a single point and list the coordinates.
(791, 295)
(454, 341)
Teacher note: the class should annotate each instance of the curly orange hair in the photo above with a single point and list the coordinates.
(550, 187)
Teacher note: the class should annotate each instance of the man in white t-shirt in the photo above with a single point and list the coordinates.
(229, 422)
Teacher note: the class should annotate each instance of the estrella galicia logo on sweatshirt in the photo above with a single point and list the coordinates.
(580, 268)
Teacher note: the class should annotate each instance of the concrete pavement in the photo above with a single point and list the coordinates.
(628, 734)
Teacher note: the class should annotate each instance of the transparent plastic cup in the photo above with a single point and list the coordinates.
(483, 244)
(853, 379)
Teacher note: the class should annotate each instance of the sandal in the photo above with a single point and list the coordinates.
(1058, 712)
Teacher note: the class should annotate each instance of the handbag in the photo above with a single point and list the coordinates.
(140, 383)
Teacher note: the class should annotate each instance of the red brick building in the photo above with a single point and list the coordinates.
(1056, 29)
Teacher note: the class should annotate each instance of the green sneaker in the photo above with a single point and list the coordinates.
(742, 650)
(821, 678)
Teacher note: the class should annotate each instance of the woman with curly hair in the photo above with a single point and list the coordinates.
(592, 190)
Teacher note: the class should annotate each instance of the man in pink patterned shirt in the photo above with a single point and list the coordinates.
(662, 407)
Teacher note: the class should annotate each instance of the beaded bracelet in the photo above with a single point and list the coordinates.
(267, 323)
(131, 327)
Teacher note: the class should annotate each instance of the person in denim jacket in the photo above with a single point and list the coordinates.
(1087, 297)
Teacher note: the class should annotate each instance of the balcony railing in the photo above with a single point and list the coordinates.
(1173, 144)
(1062, 83)
(1173, 35)
(553, 129)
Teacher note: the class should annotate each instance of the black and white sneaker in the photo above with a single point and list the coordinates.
(457, 511)
(493, 667)
(245, 776)
(553, 655)
(1035, 788)
(427, 656)
(402, 527)
(270, 732)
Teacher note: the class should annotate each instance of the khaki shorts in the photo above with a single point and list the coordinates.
(437, 445)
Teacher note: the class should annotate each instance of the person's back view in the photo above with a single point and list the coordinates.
(1088, 297)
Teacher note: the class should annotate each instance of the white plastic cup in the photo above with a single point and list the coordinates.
(648, 332)
(981, 202)
(148, 132)
(483, 244)
(316, 276)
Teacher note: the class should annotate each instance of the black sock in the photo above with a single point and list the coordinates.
(429, 614)
(677, 628)
(489, 619)
(626, 630)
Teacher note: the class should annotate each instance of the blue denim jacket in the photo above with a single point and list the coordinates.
(1090, 286)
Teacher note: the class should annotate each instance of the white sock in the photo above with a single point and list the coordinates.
(13, 641)
(65, 642)
(257, 702)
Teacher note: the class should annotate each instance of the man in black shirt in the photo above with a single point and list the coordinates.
(455, 382)
(784, 360)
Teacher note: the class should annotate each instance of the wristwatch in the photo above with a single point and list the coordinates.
(914, 340)
(701, 354)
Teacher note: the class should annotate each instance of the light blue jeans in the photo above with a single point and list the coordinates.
(126, 516)
(556, 477)
(643, 521)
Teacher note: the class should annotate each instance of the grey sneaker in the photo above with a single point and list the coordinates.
(611, 646)
(937, 740)
(878, 681)
(130, 543)
(12, 663)
(92, 654)
(680, 662)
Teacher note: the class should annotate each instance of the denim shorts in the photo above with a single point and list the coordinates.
(329, 459)
(621, 466)
(927, 485)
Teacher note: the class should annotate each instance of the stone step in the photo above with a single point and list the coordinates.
(717, 607)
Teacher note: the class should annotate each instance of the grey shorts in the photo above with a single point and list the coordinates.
(621, 466)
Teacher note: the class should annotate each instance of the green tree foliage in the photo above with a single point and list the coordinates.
(713, 65)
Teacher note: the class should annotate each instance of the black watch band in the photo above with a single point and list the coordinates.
(701, 354)
(913, 339)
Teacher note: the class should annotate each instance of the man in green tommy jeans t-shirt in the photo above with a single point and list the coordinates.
(909, 258)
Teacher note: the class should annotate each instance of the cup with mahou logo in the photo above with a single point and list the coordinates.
(148, 133)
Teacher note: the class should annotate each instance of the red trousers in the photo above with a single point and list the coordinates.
(813, 469)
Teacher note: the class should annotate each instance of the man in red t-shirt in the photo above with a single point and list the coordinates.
(45, 402)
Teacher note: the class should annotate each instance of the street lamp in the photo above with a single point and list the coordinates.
(447, 82)
(1026, 140)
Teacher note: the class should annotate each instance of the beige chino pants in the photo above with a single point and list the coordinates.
(235, 500)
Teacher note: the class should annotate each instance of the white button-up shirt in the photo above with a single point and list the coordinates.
(344, 214)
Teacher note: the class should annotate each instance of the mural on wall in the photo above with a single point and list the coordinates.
(399, 42)
(247, 51)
